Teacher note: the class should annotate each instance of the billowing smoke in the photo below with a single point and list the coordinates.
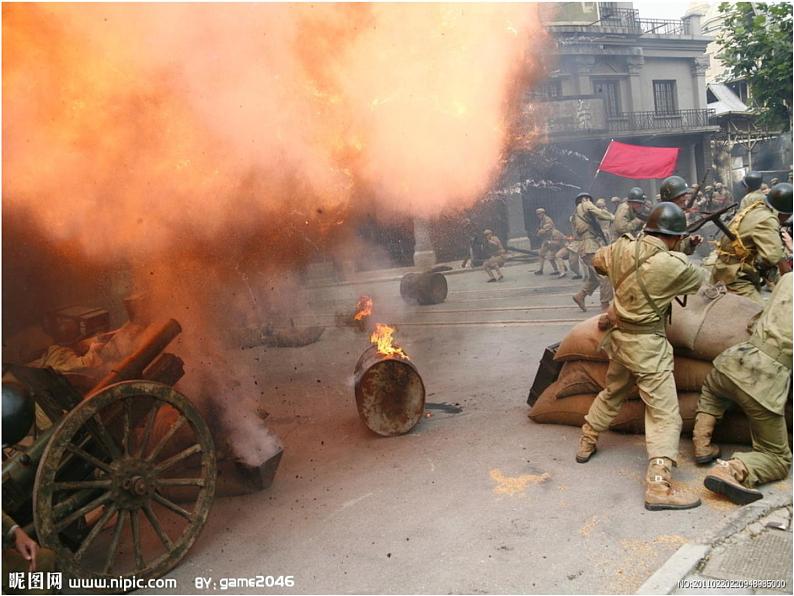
(198, 143)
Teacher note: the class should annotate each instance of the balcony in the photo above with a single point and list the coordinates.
(586, 116)
(627, 21)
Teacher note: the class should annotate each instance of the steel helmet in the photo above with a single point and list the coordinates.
(540, 210)
(779, 198)
(673, 187)
(487, 232)
(18, 412)
(601, 202)
(581, 197)
(636, 195)
(667, 218)
(752, 180)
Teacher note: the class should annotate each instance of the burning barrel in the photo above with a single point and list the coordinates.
(424, 288)
(390, 394)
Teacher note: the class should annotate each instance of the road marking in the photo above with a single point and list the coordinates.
(537, 323)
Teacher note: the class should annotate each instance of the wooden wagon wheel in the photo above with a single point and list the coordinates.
(103, 494)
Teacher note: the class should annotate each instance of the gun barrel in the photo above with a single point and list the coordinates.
(132, 367)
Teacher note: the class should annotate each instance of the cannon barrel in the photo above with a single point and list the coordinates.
(132, 367)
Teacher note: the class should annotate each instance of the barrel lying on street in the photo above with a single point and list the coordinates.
(424, 288)
(390, 394)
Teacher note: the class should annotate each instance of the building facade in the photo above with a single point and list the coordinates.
(615, 76)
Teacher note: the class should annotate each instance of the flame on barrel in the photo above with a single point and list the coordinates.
(382, 337)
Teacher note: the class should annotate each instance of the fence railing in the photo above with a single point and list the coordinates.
(681, 119)
(629, 20)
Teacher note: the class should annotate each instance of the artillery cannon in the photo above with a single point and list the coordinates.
(97, 486)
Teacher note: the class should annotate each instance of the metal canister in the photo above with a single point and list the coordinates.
(390, 394)
(424, 288)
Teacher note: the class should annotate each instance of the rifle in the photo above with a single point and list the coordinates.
(713, 217)
(595, 227)
(697, 189)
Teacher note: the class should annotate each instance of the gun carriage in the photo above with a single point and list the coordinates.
(122, 482)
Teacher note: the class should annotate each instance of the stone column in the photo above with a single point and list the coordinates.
(424, 255)
(584, 68)
(693, 165)
(699, 67)
(634, 66)
(516, 223)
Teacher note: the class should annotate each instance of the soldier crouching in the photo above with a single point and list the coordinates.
(646, 275)
(755, 375)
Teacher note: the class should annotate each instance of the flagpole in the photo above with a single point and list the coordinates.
(598, 170)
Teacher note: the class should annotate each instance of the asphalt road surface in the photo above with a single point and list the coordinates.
(480, 501)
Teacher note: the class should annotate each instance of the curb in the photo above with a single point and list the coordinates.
(688, 557)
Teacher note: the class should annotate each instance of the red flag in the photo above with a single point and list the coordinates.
(636, 161)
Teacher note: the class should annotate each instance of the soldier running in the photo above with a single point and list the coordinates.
(646, 275)
(757, 244)
(585, 224)
(755, 375)
(496, 256)
(552, 241)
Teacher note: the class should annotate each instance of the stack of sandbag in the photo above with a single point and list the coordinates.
(712, 321)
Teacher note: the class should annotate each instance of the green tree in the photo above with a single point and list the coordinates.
(755, 45)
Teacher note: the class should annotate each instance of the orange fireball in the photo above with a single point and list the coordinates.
(363, 308)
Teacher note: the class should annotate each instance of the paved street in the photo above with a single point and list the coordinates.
(482, 501)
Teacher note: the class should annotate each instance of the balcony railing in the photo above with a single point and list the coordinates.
(681, 119)
(629, 21)
(588, 116)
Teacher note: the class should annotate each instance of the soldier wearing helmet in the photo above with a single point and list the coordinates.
(551, 241)
(742, 263)
(585, 224)
(646, 275)
(674, 189)
(627, 217)
(752, 181)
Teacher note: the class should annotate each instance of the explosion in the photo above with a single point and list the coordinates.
(200, 153)
(363, 308)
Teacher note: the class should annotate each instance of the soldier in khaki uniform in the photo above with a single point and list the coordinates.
(752, 181)
(496, 256)
(675, 190)
(755, 375)
(627, 220)
(569, 255)
(758, 242)
(551, 241)
(585, 224)
(647, 275)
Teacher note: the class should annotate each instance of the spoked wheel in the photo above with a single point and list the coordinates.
(103, 499)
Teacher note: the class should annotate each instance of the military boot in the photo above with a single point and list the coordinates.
(540, 269)
(705, 452)
(659, 494)
(727, 478)
(587, 444)
(579, 299)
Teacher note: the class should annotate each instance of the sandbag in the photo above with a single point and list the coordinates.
(570, 411)
(711, 322)
(583, 376)
(582, 341)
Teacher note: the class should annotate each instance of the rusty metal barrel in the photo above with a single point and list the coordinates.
(390, 394)
(424, 288)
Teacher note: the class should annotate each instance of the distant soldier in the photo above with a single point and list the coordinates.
(752, 181)
(551, 239)
(743, 262)
(496, 256)
(569, 255)
(587, 228)
(755, 376)
(647, 275)
(674, 189)
(627, 220)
